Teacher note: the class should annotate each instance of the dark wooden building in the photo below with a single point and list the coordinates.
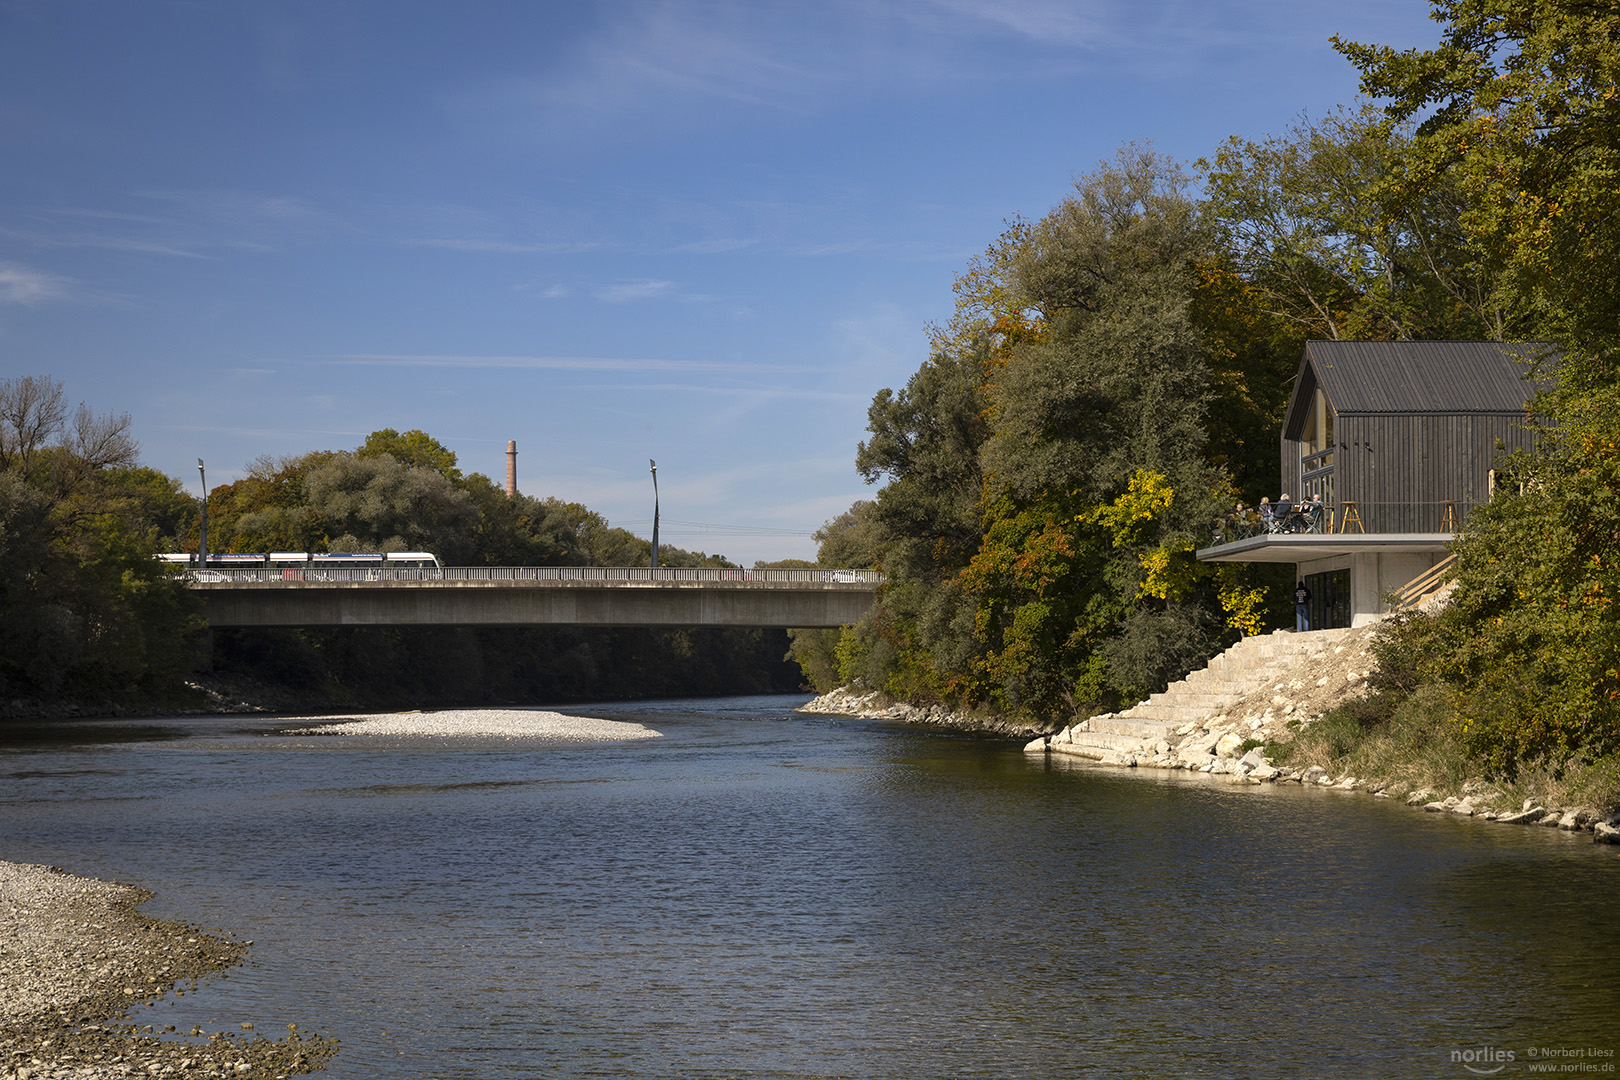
(1400, 439)
(1404, 433)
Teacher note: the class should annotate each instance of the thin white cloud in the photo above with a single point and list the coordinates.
(627, 291)
(676, 65)
(29, 287)
(100, 241)
(1068, 21)
(188, 224)
(495, 246)
(548, 363)
(751, 394)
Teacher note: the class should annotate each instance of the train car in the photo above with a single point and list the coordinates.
(319, 565)
(413, 560)
(220, 560)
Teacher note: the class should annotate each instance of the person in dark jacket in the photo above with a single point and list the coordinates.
(1302, 608)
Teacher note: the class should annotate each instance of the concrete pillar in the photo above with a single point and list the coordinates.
(511, 468)
(1365, 603)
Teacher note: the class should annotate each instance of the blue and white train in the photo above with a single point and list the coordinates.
(293, 565)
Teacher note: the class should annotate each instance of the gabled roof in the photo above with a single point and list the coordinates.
(1441, 377)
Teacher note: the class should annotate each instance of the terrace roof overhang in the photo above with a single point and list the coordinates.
(1308, 547)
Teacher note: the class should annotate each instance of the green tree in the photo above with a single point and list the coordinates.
(1313, 225)
(1073, 381)
(414, 449)
(84, 607)
(1520, 108)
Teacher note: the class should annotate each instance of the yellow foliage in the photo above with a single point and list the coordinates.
(1172, 572)
(1146, 497)
(1241, 603)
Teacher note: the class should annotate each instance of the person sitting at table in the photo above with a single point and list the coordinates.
(1313, 512)
(1282, 515)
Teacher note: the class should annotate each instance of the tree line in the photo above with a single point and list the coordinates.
(86, 612)
(1115, 375)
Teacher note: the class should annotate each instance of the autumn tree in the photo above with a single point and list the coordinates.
(1518, 109)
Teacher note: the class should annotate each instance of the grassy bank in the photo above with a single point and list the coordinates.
(1404, 735)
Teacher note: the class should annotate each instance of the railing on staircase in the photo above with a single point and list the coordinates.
(1426, 584)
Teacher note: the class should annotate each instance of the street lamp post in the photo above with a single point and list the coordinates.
(654, 465)
(202, 529)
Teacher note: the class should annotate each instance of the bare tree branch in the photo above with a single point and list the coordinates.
(31, 413)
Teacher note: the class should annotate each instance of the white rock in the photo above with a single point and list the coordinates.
(1036, 746)
(1228, 744)
(1604, 833)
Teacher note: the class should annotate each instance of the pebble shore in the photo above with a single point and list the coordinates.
(873, 706)
(77, 959)
(477, 723)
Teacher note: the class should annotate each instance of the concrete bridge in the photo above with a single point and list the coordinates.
(535, 596)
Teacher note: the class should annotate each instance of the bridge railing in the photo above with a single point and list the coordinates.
(531, 573)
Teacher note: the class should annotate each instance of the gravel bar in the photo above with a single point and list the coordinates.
(76, 956)
(481, 723)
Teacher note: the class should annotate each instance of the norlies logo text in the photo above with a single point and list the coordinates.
(1475, 1060)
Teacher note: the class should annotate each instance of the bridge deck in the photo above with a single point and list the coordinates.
(529, 596)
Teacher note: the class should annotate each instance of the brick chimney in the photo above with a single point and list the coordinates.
(511, 468)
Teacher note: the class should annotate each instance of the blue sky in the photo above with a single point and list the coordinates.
(705, 233)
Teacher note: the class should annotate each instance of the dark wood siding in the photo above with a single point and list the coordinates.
(1416, 425)
(1400, 469)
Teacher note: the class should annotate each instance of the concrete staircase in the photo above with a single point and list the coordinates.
(1255, 663)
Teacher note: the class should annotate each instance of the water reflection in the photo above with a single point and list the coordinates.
(764, 894)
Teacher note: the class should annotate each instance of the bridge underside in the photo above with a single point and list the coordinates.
(532, 603)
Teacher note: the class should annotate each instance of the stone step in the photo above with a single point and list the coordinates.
(1095, 744)
(1141, 730)
(1213, 680)
(1174, 715)
(1252, 666)
(1194, 700)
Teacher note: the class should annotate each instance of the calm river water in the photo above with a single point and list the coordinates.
(766, 894)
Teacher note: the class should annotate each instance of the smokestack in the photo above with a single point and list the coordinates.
(511, 468)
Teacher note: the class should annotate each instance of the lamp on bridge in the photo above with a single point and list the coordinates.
(202, 528)
(654, 465)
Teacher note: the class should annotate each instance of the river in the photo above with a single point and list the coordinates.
(761, 893)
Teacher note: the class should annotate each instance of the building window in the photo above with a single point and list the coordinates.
(1316, 449)
(1330, 599)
